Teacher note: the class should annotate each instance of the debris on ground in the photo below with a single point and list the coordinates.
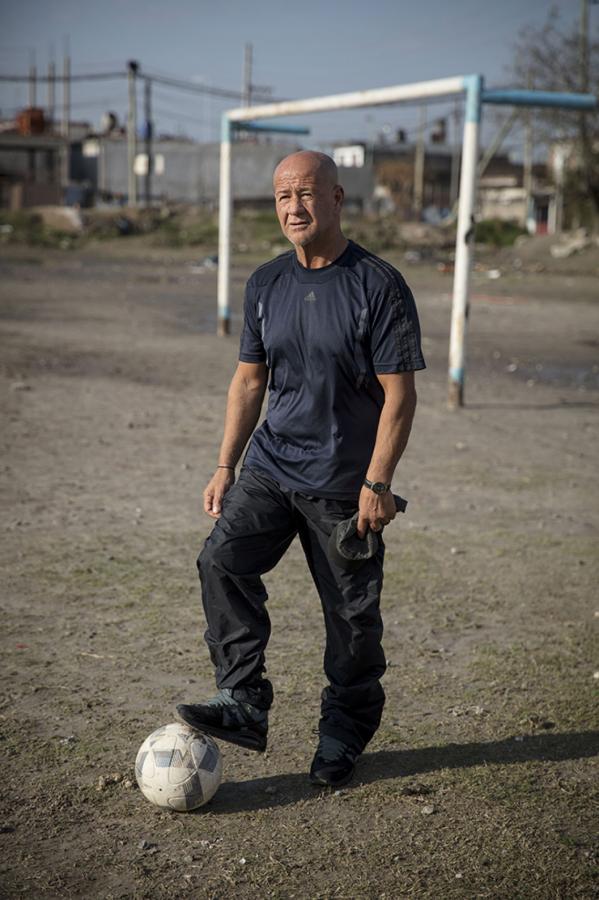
(569, 244)
(105, 781)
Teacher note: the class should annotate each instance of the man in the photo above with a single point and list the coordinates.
(335, 331)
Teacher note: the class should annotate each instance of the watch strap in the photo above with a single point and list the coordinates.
(371, 484)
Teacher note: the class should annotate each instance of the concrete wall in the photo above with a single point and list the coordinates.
(507, 204)
(25, 194)
(191, 172)
(358, 184)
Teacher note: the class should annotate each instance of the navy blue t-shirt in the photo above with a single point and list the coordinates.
(324, 335)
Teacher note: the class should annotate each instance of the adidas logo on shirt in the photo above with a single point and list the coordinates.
(311, 297)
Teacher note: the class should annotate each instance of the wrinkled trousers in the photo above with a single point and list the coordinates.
(258, 522)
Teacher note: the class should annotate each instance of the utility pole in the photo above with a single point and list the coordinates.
(246, 85)
(419, 164)
(584, 46)
(149, 136)
(32, 80)
(51, 90)
(102, 154)
(585, 151)
(132, 68)
(66, 114)
(66, 92)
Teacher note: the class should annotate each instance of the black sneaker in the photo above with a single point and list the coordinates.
(229, 719)
(334, 762)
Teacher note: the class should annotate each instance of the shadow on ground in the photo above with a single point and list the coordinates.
(282, 790)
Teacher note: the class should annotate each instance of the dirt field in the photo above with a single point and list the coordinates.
(482, 781)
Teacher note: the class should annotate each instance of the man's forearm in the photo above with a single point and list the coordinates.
(392, 435)
(244, 402)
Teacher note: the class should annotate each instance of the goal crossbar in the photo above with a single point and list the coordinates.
(442, 87)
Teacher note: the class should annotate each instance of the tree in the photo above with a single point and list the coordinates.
(554, 58)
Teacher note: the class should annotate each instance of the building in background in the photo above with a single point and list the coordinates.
(502, 195)
(501, 192)
(35, 160)
(416, 181)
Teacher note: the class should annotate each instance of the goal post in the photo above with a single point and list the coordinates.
(472, 87)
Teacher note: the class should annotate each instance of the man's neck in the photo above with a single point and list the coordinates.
(317, 257)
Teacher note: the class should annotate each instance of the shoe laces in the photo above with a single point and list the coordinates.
(223, 698)
(236, 709)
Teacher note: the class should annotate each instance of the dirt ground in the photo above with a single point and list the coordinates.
(482, 781)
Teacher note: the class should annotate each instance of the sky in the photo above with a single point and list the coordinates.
(300, 49)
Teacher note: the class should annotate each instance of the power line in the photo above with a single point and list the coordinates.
(93, 76)
(176, 83)
(261, 91)
(196, 88)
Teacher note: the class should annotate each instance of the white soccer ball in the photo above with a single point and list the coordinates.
(178, 768)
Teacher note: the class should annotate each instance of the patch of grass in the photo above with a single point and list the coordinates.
(179, 231)
(497, 232)
(376, 233)
(24, 227)
(539, 688)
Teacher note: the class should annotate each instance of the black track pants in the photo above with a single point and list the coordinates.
(258, 522)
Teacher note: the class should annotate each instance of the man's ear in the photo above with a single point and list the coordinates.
(339, 195)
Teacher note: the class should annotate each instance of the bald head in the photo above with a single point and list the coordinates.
(308, 201)
(308, 162)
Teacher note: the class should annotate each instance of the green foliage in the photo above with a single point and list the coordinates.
(497, 232)
(376, 233)
(24, 227)
(185, 231)
(256, 230)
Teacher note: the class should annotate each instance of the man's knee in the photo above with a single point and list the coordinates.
(221, 555)
(209, 557)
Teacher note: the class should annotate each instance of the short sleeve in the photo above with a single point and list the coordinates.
(251, 347)
(395, 329)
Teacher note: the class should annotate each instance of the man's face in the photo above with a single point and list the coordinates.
(308, 204)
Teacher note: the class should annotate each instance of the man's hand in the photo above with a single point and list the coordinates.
(216, 489)
(375, 510)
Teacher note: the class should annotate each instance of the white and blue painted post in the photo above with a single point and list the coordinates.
(464, 241)
(475, 97)
(225, 212)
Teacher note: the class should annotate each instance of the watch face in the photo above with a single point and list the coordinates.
(379, 487)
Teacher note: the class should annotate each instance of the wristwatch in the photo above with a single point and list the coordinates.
(379, 487)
